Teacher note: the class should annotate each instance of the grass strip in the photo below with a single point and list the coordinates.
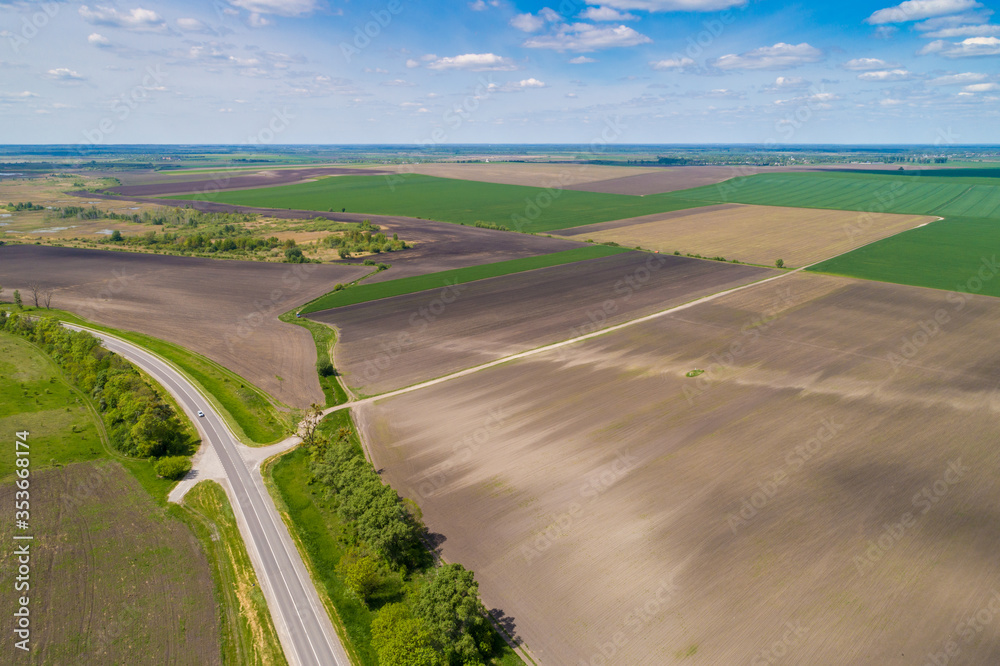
(324, 337)
(248, 634)
(371, 292)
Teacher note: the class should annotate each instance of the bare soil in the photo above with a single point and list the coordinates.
(114, 579)
(225, 310)
(754, 234)
(394, 342)
(824, 493)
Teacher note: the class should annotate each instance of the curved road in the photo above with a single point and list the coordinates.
(306, 633)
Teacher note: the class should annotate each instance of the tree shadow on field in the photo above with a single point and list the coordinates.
(434, 541)
(507, 624)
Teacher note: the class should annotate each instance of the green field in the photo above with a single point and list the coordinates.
(516, 207)
(914, 193)
(35, 397)
(942, 255)
(370, 292)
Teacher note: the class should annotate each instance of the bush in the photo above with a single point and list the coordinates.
(780, 263)
(116, 236)
(173, 467)
(401, 640)
(293, 255)
(362, 573)
(325, 369)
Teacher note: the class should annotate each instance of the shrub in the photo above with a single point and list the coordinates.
(325, 369)
(172, 467)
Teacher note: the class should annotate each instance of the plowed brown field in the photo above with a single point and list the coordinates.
(225, 310)
(824, 493)
(755, 234)
(113, 578)
(395, 342)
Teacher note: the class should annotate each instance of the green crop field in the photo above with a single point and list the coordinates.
(371, 292)
(516, 207)
(943, 255)
(915, 194)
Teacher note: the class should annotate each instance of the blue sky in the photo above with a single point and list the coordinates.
(499, 71)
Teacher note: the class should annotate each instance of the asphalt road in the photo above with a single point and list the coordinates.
(306, 634)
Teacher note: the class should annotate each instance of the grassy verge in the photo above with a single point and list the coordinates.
(320, 534)
(314, 525)
(249, 411)
(324, 337)
(248, 634)
(370, 292)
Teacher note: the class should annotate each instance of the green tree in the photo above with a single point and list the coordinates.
(361, 573)
(450, 608)
(401, 640)
(17, 300)
(780, 263)
(173, 467)
(116, 236)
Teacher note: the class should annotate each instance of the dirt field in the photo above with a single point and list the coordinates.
(114, 580)
(395, 342)
(813, 498)
(224, 181)
(225, 310)
(755, 234)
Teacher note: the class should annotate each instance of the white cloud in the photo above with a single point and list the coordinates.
(98, 39)
(783, 83)
(398, 83)
(982, 87)
(915, 10)
(411, 63)
(581, 60)
(482, 6)
(64, 74)
(672, 63)
(18, 96)
(820, 100)
(528, 22)
(779, 56)
(531, 83)
(967, 48)
(192, 25)
(958, 79)
(867, 64)
(933, 47)
(278, 7)
(135, 19)
(606, 14)
(671, 5)
(586, 37)
(985, 30)
(476, 62)
(886, 75)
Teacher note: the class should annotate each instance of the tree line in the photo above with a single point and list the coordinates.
(438, 619)
(139, 423)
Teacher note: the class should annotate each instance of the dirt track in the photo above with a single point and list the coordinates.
(225, 310)
(598, 493)
(395, 342)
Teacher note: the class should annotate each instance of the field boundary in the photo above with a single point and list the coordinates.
(441, 279)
